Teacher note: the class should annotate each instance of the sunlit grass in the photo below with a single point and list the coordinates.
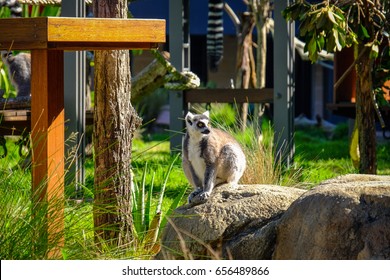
(161, 179)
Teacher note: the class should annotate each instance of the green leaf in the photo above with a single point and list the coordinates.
(173, 206)
(362, 32)
(305, 27)
(321, 21)
(374, 51)
(165, 183)
(294, 11)
(330, 43)
(312, 46)
(339, 47)
(4, 78)
(312, 49)
(149, 202)
(331, 17)
(320, 42)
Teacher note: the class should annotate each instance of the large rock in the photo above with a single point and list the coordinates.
(343, 218)
(233, 223)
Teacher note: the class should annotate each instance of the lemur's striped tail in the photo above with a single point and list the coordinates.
(215, 34)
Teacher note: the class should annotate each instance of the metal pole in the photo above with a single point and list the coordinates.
(284, 86)
(179, 48)
(74, 98)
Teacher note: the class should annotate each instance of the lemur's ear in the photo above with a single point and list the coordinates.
(189, 116)
(207, 114)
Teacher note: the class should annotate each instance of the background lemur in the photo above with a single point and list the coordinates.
(19, 66)
(210, 157)
(14, 7)
(19, 70)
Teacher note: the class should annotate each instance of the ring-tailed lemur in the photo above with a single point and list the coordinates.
(210, 157)
(215, 34)
(19, 65)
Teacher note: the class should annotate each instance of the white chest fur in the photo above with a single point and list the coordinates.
(197, 162)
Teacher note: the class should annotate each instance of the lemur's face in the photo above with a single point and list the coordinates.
(198, 125)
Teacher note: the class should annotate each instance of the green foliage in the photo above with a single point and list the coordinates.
(323, 26)
(334, 25)
(148, 218)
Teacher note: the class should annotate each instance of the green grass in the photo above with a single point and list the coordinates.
(319, 158)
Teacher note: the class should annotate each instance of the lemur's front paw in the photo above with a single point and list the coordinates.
(199, 198)
(204, 196)
(193, 195)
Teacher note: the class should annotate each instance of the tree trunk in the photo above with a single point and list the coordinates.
(365, 112)
(262, 11)
(115, 121)
(246, 73)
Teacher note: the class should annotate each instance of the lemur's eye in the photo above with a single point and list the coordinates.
(189, 121)
(200, 125)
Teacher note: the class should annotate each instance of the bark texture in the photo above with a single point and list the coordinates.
(365, 112)
(246, 73)
(115, 121)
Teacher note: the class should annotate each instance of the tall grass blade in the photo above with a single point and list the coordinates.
(141, 198)
(4, 81)
(150, 241)
(173, 206)
(165, 183)
(149, 202)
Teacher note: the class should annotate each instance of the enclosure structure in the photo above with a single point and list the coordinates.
(48, 38)
(282, 95)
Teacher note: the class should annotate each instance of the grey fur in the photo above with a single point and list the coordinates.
(210, 157)
(19, 69)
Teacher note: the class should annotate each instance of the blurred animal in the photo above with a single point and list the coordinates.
(14, 7)
(19, 70)
(19, 65)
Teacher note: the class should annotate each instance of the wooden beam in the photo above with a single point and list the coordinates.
(15, 122)
(81, 33)
(47, 137)
(264, 95)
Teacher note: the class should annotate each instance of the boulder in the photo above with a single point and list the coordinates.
(233, 223)
(343, 218)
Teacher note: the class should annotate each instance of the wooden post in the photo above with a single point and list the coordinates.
(47, 137)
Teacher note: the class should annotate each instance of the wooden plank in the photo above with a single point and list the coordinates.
(15, 103)
(80, 33)
(103, 30)
(264, 95)
(47, 136)
(18, 122)
(85, 46)
(23, 33)
(14, 115)
(22, 118)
